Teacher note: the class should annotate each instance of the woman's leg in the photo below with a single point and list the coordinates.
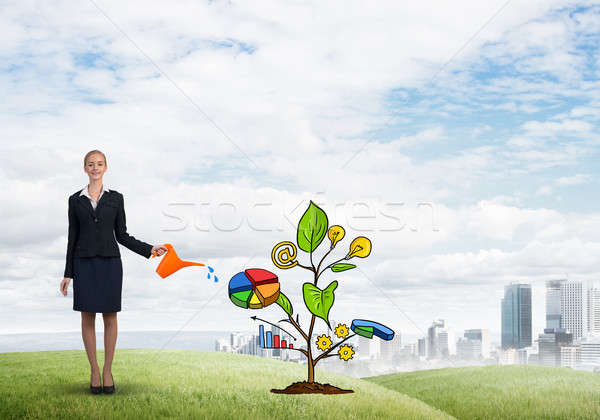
(88, 333)
(110, 342)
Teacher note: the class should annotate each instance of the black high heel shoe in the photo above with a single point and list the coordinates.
(108, 389)
(95, 389)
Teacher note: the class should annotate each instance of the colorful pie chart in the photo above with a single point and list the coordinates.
(254, 288)
(368, 329)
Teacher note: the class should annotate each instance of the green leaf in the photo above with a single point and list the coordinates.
(336, 268)
(285, 303)
(318, 301)
(312, 228)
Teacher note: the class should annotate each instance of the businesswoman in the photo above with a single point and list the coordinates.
(94, 263)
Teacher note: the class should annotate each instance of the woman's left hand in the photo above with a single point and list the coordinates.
(159, 250)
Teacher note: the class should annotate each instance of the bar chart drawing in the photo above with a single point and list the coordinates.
(269, 340)
(261, 334)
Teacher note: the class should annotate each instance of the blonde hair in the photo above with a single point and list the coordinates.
(92, 152)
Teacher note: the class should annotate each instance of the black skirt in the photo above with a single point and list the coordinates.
(97, 284)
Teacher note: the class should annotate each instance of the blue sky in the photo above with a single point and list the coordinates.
(263, 107)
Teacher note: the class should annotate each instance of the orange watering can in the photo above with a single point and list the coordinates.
(171, 262)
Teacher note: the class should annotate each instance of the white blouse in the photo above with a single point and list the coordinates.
(86, 192)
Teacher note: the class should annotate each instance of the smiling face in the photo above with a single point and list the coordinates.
(95, 166)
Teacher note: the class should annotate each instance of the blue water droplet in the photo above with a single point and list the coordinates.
(211, 269)
(208, 275)
(216, 279)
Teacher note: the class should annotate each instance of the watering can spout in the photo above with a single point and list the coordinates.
(171, 262)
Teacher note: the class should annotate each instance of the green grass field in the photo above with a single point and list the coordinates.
(187, 384)
(503, 392)
(208, 385)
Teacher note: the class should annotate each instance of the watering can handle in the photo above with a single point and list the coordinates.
(155, 254)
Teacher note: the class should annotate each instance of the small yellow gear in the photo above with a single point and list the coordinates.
(341, 330)
(323, 342)
(346, 352)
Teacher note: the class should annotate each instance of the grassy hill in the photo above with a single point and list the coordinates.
(503, 392)
(187, 384)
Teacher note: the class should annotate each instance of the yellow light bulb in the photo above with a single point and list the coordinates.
(360, 247)
(335, 234)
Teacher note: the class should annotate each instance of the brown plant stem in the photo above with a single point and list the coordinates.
(311, 366)
(321, 262)
(329, 355)
(295, 324)
(331, 348)
(330, 265)
(306, 268)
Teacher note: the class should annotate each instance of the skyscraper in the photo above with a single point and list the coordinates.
(553, 303)
(433, 340)
(364, 347)
(447, 343)
(483, 336)
(590, 352)
(516, 316)
(573, 308)
(422, 347)
(570, 356)
(550, 344)
(468, 349)
(594, 310)
(391, 348)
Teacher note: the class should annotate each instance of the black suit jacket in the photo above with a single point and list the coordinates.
(93, 232)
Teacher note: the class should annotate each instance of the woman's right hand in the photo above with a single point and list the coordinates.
(64, 285)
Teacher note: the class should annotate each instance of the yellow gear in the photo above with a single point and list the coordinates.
(346, 352)
(323, 342)
(341, 330)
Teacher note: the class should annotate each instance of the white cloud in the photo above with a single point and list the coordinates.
(482, 129)
(585, 111)
(566, 181)
(315, 88)
(551, 129)
(573, 180)
(544, 190)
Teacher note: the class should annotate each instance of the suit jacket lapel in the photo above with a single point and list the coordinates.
(88, 205)
(102, 200)
(85, 202)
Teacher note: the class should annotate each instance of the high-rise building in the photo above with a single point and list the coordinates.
(516, 316)
(447, 342)
(550, 344)
(570, 356)
(590, 352)
(409, 350)
(422, 347)
(433, 342)
(235, 339)
(594, 310)
(468, 349)
(364, 347)
(523, 355)
(573, 308)
(391, 348)
(509, 356)
(553, 303)
(483, 336)
(222, 345)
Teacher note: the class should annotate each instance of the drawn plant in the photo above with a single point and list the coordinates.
(313, 228)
